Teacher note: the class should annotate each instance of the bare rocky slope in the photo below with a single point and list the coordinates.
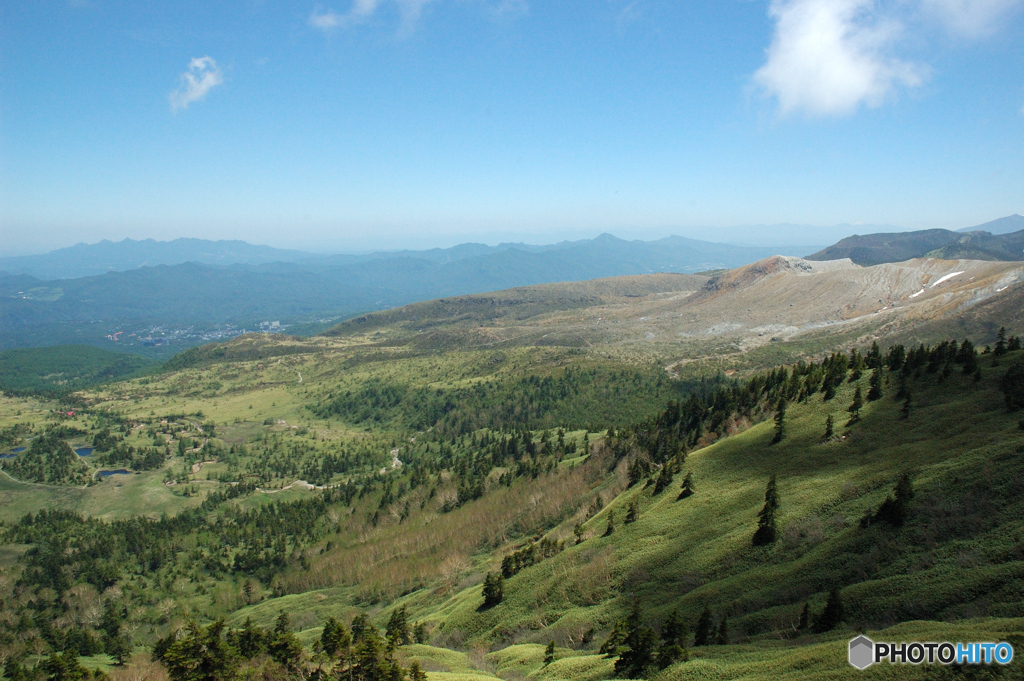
(775, 300)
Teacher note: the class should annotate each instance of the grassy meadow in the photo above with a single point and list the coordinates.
(303, 478)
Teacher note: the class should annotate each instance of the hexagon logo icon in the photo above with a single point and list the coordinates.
(862, 652)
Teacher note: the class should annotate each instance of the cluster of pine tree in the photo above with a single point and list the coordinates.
(49, 459)
(640, 650)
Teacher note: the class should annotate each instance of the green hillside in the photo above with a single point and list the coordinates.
(417, 518)
(64, 368)
(874, 249)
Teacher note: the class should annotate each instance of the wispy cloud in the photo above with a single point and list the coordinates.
(409, 11)
(830, 57)
(202, 75)
(363, 10)
(970, 18)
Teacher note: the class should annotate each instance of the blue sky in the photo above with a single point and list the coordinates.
(384, 123)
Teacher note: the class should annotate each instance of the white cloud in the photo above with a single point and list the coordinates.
(202, 76)
(828, 57)
(971, 18)
(409, 12)
(362, 10)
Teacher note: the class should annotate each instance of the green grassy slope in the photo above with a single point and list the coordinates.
(960, 556)
(954, 570)
(65, 368)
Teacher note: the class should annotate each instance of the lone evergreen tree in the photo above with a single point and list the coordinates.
(1013, 386)
(665, 477)
(549, 653)
(875, 391)
(780, 423)
(766, 531)
(873, 359)
(829, 427)
(687, 489)
(896, 507)
(702, 634)
(632, 511)
(494, 589)
(906, 408)
(639, 645)
(722, 638)
(335, 639)
(832, 615)
(397, 631)
(855, 407)
(610, 530)
(416, 672)
(1000, 349)
(284, 647)
(673, 641)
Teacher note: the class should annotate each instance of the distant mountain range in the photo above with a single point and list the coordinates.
(34, 311)
(85, 260)
(1007, 225)
(976, 243)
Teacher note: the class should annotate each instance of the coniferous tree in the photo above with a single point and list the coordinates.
(875, 391)
(1000, 349)
(549, 653)
(674, 637)
(1013, 386)
(610, 530)
(199, 655)
(873, 359)
(1013, 344)
(632, 511)
(904, 389)
(397, 630)
(687, 489)
(674, 631)
(780, 423)
(665, 477)
(895, 509)
(360, 627)
(368, 660)
(906, 408)
(335, 640)
(638, 647)
(250, 641)
(63, 667)
(766, 530)
(829, 427)
(284, 647)
(416, 672)
(419, 633)
(722, 638)
(832, 615)
(494, 589)
(577, 532)
(705, 627)
(855, 407)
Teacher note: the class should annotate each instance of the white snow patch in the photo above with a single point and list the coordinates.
(915, 295)
(998, 290)
(948, 276)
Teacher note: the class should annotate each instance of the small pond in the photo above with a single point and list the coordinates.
(83, 451)
(107, 474)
